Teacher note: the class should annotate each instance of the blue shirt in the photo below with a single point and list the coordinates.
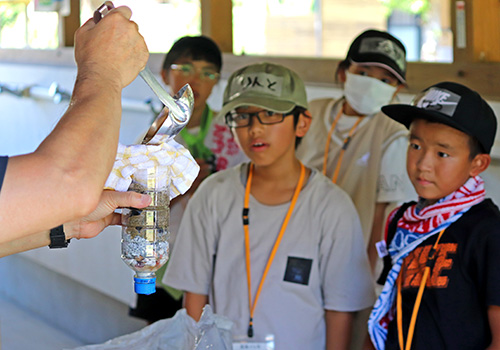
(3, 168)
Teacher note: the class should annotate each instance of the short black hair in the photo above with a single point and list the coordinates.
(342, 66)
(474, 147)
(297, 111)
(195, 48)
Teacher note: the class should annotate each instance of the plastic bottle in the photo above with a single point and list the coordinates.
(145, 232)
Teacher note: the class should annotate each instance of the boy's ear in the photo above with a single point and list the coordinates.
(480, 163)
(303, 124)
(341, 76)
(164, 76)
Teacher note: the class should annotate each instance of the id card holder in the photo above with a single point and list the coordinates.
(254, 343)
(381, 249)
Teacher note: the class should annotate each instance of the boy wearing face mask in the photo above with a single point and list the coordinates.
(353, 143)
(358, 147)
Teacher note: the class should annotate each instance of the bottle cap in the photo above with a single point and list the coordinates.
(145, 285)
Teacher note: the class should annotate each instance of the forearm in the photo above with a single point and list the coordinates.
(376, 233)
(90, 226)
(63, 179)
(338, 329)
(194, 304)
(85, 140)
(36, 240)
(494, 322)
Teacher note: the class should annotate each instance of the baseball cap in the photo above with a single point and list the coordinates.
(377, 48)
(452, 104)
(265, 85)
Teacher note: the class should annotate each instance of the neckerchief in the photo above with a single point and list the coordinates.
(195, 143)
(417, 224)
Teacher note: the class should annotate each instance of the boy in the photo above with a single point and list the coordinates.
(197, 61)
(353, 143)
(292, 282)
(447, 243)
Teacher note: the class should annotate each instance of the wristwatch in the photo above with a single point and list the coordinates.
(58, 238)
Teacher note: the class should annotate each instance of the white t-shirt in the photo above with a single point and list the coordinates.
(320, 264)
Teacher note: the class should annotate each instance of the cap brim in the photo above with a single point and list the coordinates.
(406, 114)
(383, 65)
(270, 104)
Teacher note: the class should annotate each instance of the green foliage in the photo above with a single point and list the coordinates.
(417, 7)
(9, 14)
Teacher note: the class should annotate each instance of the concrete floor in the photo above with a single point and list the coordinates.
(21, 330)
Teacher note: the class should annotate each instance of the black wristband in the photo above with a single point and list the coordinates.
(58, 238)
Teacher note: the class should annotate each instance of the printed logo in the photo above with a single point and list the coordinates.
(438, 99)
(263, 83)
(384, 47)
(298, 270)
(414, 265)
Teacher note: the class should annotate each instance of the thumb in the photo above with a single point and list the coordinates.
(127, 199)
(123, 10)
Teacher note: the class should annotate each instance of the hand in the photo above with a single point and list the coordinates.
(104, 215)
(205, 170)
(111, 50)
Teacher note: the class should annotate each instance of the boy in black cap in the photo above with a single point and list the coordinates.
(353, 143)
(442, 271)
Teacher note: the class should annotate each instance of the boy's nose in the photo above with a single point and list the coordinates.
(254, 123)
(425, 161)
(194, 79)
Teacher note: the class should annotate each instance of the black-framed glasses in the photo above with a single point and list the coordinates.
(240, 120)
(188, 70)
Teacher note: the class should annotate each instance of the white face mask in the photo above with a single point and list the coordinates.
(367, 95)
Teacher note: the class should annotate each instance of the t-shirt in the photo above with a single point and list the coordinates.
(320, 264)
(3, 168)
(464, 281)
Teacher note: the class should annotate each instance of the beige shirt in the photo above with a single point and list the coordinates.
(361, 167)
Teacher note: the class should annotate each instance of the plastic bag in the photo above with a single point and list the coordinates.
(180, 332)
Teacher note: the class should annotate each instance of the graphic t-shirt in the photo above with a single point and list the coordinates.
(463, 282)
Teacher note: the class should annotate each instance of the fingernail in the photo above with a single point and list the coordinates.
(145, 199)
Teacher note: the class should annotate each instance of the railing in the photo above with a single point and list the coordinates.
(56, 95)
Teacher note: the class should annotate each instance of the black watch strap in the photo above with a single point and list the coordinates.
(58, 238)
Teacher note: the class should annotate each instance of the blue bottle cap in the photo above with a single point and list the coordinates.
(145, 285)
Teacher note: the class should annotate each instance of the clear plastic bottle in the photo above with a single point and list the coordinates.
(145, 232)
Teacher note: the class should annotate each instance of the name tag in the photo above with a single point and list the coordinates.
(381, 249)
(256, 343)
(250, 346)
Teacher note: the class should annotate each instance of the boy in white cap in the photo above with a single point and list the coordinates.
(442, 271)
(271, 244)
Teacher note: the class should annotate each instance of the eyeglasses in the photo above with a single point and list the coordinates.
(240, 120)
(188, 70)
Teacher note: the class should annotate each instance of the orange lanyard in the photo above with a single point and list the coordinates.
(344, 146)
(246, 211)
(411, 329)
